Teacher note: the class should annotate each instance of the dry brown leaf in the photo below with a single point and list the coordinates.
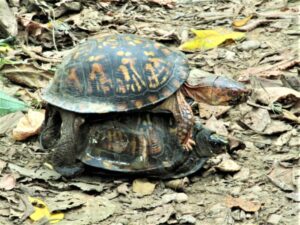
(247, 206)
(27, 74)
(123, 189)
(252, 25)
(29, 125)
(169, 3)
(7, 182)
(241, 22)
(32, 27)
(2, 165)
(217, 126)
(207, 111)
(159, 215)
(8, 22)
(268, 71)
(282, 95)
(143, 187)
(257, 119)
(282, 177)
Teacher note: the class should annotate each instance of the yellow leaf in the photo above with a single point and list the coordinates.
(208, 39)
(205, 33)
(41, 211)
(242, 22)
(5, 48)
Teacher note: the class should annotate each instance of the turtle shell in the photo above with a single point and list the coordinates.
(116, 73)
(143, 143)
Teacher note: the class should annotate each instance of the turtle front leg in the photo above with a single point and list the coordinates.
(66, 150)
(184, 118)
(50, 129)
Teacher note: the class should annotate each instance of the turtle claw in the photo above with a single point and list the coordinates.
(188, 146)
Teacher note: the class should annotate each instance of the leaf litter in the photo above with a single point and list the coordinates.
(259, 178)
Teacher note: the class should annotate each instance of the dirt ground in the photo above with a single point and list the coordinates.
(256, 183)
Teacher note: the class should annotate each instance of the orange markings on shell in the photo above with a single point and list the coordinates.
(167, 92)
(176, 83)
(123, 69)
(74, 78)
(138, 103)
(153, 79)
(122, 107)
(121, 87)
(166, 51)
(155, 61)
(104, 82)
(152, 98)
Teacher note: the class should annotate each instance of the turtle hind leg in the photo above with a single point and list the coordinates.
(183, 114)
(64, 157)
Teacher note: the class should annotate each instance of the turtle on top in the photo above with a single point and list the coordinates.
(127, 73)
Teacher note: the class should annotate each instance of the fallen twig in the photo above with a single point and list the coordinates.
(285, 113)
(38, 57)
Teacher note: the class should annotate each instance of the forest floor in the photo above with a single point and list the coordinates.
(256, 183)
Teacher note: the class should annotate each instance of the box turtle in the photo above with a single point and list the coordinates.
(122, 73)
(138, 144)
(119, 73)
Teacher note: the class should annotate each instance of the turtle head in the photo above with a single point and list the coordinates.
(216, 90)
(208, 143)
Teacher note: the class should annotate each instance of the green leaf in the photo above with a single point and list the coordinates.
(10, 104)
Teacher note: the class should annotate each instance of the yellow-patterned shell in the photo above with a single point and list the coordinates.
(116, 73)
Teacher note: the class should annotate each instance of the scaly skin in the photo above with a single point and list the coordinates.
(184, 118)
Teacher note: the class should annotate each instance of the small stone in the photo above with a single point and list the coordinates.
(181, 197)
(236, 215)
(228, 165)
(189, 219)
(168, 198)
(177, 197)
(249, 45)
(236, 191)
(242, 175)
(274, 219)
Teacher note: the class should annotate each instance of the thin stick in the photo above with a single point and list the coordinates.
(38, 57)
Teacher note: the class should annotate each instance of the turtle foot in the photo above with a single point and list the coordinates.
(70, 171)
(188, 146)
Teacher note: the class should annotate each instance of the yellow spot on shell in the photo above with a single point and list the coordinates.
(128, 38)
(149, 53)
(132, 88)
(152, 98)
(91, 58)
(137, 41)
(166, 51)
(123, 69)
(175, 83)
(122, 107)
(138, 104)
(131, 43)
(157, 45)
(167, 92)
(120, 53)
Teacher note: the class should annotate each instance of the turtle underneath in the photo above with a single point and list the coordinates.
(136, 144)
